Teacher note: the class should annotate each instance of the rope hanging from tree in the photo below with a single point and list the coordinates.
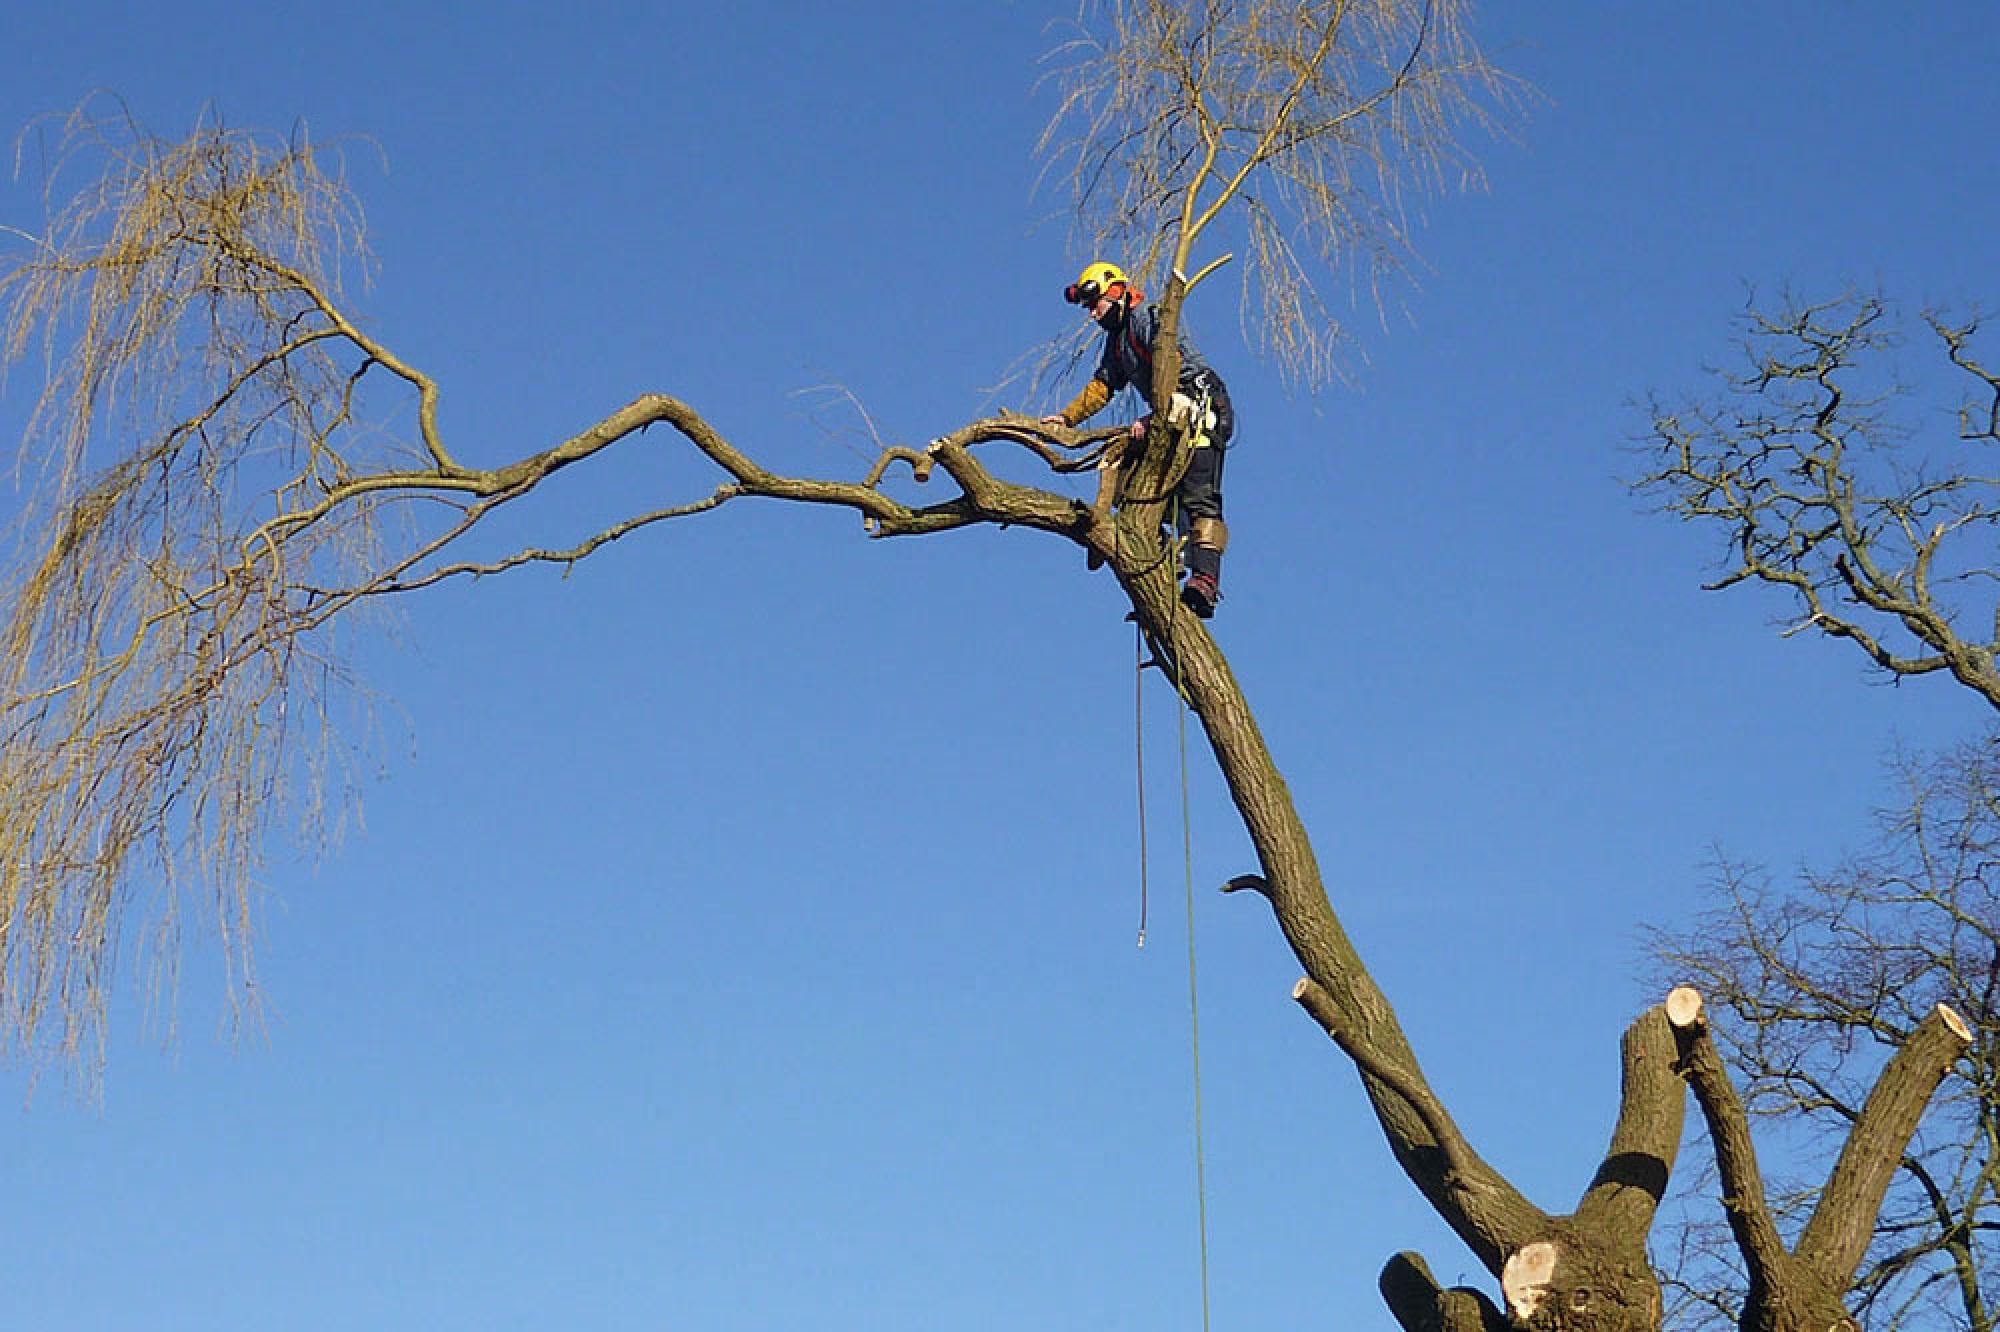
(1187, 855)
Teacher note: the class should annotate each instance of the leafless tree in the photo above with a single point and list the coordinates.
(1871, 497)
(1821, 985)
(1865, 487)
(173, 623)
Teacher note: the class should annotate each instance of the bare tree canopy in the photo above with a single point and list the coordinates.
(1823, 468)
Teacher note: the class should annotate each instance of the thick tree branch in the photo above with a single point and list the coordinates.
(1625, 1192)
(1485, 1210)
(1837, 1236)
(1743, 1199)
(1803, 1288)
(1420, 1304)
(1406, 1084)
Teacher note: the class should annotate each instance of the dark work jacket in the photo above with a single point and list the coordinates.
(1123, 365)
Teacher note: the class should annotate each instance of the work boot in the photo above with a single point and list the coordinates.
(1200, 594)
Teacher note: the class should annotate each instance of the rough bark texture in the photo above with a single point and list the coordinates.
(1625, 1192)
(1844, 1222)
(1579, 1279)
(1803, 1289)
(1421, 1305)
(1601, 1275)
(1601, 1265)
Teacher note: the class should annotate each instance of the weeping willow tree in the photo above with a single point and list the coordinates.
(198, 512)
(229, 469)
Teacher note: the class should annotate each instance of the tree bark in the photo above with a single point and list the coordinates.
(1803, 1290)
(1421, 1305)
(1843, 1224)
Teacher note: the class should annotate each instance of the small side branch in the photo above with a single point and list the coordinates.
(569, 557)
(1312, 997)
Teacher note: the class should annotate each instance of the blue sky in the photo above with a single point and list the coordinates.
(740, 935)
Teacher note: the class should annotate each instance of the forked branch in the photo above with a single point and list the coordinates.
(1818, 482)
(1806, 1286)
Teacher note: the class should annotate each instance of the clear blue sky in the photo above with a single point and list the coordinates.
(740, 936)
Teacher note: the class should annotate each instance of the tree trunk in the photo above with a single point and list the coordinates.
(1587, 1270)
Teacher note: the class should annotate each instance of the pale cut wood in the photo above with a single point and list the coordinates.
(1684, 1006)
(1526, 1277)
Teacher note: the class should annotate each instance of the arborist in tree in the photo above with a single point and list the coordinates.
(1130, 327)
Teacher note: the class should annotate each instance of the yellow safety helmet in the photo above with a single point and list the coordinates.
(1095, 280)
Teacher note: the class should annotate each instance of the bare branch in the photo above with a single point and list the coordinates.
(1814, 465)
(211, 504)
(1729, 1129)
(1844, 1222)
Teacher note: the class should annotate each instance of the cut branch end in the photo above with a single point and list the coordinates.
(1684, 1007)
(1526, 1278)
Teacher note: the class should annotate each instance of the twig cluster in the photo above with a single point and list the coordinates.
(1880, 521)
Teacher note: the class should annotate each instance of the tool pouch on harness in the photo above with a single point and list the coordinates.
(1193, 417)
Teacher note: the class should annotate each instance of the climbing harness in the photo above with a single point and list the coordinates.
(1190, 419)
